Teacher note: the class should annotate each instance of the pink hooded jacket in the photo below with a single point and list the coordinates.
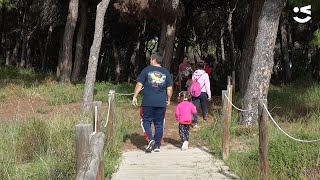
(203, 81)
(184, 111)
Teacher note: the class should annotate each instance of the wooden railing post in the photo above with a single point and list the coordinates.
(227, 108)
(263, 140)
(229, 80)
(97, 124)
(224, 110)
(83, 132)
(97, 116)
(112, 116)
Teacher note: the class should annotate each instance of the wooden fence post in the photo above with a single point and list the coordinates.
(97, 116)
(97, 124)
(224, 110)
(233, 83)
(83, 132)
(229, 94)
(112, 116)
(229, 80)
(263, 140)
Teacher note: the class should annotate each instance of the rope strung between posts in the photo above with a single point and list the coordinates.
(127, 94)
(300, 140)
(109, 102)
(243, 110)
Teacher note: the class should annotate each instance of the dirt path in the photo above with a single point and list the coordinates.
(137, 141)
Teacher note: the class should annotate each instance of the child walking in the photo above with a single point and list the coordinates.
(184, 111)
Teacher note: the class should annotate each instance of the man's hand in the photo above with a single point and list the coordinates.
(134, 101)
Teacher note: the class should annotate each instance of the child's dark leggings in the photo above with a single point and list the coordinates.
(184, 132)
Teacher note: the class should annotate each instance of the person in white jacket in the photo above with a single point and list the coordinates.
(205, 96)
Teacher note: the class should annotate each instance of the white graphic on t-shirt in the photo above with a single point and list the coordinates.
(156, 78)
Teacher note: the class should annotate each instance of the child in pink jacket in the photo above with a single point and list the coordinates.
(184, 111)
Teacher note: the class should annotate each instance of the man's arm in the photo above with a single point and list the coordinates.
(136, 92)
(169, 94)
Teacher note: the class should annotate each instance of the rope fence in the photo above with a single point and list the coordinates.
(300, 140)
(263, 116)
(275, 123)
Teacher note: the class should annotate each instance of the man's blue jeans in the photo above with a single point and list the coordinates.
(153, 115)
(203, 101)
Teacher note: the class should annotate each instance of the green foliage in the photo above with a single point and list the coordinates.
(316, 39)
(7, 4)
(38, 149)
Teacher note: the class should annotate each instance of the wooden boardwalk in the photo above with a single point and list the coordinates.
(171, 163)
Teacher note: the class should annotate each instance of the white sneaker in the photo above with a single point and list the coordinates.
(185, 145)
(156, 149)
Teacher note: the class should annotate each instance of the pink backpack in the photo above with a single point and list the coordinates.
(195, 88)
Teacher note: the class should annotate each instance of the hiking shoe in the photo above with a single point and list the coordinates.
(150, 146)
(156, 149)
(185, 145)
(195, 126)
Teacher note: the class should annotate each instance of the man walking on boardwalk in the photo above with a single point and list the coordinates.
(157, 94)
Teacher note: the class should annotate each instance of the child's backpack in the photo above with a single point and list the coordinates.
(195, 88)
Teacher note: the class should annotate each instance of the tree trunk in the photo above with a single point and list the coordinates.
(28, 48)
(68, 41)
(231, 41)
(184, 31)
(223, 57)
(284, 45)
(44, 55)
(14, 57)
(8, 57)
(2, 19)
(79, 55)
(140, 55)
(168, 52)
(28, 63)
(116, 55)
(94, 56)
(162, 40)
(59, 66)
(262, 62)
(255, 8)
(24, 41)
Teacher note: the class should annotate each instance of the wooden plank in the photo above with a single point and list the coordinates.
(83, 132)
(91, 169)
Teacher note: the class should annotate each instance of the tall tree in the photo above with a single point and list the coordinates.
(79, 54)
(284, 44)
(94, 56)
(262, 61)
(248, 46)
(66, 68)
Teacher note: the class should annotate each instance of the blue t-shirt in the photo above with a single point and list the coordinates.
(155, 81)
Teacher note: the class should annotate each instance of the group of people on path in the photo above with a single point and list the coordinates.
(157, 93)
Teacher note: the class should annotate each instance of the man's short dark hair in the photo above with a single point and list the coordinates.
(157, 57)
(200, 65)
